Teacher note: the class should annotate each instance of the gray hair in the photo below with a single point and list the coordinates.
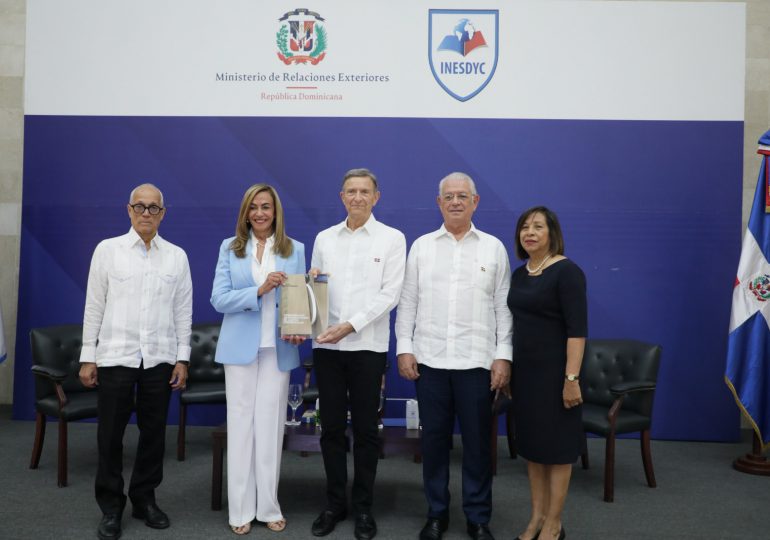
(146, 185)
(360, 172)
(457, 176)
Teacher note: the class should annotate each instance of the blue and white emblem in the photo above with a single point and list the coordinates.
(462, 49)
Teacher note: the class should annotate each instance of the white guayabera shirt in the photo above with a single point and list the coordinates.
(453, 312)
(366, 270)
(138, 304)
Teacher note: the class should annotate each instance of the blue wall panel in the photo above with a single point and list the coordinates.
(651, 211)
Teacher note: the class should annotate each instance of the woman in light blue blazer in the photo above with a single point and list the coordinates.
(251, 268)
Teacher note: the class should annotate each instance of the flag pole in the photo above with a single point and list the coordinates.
(748, 358)
(753, 462)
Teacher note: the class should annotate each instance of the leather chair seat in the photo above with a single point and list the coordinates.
(595, 420)
(79, 405)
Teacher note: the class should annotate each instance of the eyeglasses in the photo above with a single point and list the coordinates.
(139, 208)
(462, 197)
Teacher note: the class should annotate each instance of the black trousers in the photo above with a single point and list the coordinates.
(119, 387)
(349, 379)
(444, 394)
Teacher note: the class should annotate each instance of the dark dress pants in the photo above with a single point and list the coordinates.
(443, 394)
(349, 379)
(116, 390)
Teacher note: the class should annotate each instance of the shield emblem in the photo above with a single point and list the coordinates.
(301, 38)
(462, 49)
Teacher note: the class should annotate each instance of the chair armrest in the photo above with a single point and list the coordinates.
(56, 376)
(53, 374)
(624, 388)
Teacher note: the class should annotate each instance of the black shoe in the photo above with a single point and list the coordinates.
(562, 533)
(434, 528)
(534, 537)
(366, 528)
(109, 527)
(152, 515)
(479, 531)
(325, 522)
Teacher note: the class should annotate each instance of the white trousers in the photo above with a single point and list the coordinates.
(256, 412)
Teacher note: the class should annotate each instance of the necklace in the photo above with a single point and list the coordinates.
(256, 251)
(539, 266)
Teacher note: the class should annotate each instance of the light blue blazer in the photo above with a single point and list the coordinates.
(234, 294)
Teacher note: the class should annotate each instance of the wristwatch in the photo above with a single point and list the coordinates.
(571, 377)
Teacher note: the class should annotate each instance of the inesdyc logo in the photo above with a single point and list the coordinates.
(462, 49)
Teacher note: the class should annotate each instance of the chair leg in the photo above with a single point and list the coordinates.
(584, 455)
(180, 435)
(609, 468)
(510, 430)
(62, 462)
(218, 444)
(647, 458)
(37, 446)
(493, 444)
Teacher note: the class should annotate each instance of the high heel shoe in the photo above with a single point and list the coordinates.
(562, 533)
(533, 538)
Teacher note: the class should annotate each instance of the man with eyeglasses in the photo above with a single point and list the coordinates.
(136, 346)
(454, 339)
(365, 262)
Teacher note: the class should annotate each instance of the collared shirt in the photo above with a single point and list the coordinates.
(138, 304)
(453, 312)
(259, 271)
(366, 271)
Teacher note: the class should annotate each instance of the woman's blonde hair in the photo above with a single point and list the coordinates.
(282, 245)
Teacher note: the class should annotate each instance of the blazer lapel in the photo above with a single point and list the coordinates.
(280, 264)
(244, 265)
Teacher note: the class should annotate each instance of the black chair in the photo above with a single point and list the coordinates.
(205, 378)
(503, 405)
(618, 384)
(58, 391)
(309, 390)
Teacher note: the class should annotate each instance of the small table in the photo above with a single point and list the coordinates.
(302, 438)
(399, 440)
(307, 438)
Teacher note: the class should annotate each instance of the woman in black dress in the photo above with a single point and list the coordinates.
(548, 302)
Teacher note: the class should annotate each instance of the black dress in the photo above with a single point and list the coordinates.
(547, 309)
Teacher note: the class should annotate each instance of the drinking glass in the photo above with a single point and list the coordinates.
(295, 400)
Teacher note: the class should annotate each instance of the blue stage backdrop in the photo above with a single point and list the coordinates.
(651, 211)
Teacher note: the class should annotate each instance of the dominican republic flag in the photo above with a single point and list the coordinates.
(748, 346)
(2, 338)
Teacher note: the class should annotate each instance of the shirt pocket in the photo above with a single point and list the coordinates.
(165, 284)
(121, 284)
(484, 276)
